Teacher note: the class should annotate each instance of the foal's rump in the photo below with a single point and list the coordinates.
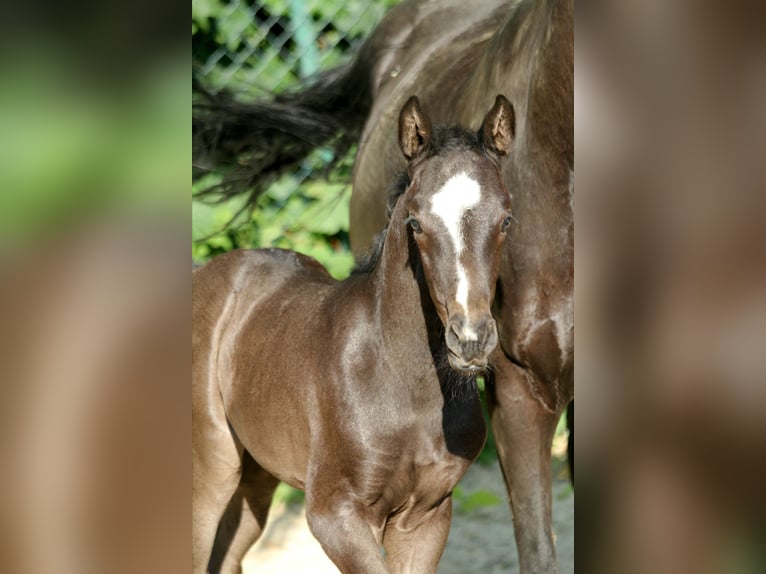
(230, 288)
(242, 282)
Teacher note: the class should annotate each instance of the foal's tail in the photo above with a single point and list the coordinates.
(253, 143)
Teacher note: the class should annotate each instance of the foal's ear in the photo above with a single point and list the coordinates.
(499, 127)
(414, 129)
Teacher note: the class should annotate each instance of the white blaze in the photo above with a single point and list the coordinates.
(450, 204)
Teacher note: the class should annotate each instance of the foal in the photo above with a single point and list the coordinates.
(360, 392)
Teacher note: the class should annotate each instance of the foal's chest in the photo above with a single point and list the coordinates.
(415, 456)
(431, 464)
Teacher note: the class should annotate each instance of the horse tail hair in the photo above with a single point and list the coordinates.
(254, 143)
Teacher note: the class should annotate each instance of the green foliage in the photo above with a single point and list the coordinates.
(288, 495)
(264, 47)
(565, 492)
(258, 49)
(203, 11)
(311, 218)
(468, 502)
(70, 151)
(489, 454)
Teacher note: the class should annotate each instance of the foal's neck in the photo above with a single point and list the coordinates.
(404, 309)
(412, 334)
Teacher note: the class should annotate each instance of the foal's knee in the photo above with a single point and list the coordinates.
(327, 519)
(346, 536)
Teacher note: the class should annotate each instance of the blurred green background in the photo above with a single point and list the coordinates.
(74, 148)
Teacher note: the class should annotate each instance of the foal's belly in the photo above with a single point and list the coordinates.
(272, 430)
(268, 401)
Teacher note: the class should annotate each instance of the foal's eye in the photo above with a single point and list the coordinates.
(413, 223)
(506, 223)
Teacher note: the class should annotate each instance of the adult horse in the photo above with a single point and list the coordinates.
(361, 391)
(457, 55)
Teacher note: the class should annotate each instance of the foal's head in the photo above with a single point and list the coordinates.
(458, 212)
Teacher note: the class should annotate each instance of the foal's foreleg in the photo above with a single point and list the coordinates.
(418, 549)
(345, 535)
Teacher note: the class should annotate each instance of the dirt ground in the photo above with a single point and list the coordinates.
(479, 541)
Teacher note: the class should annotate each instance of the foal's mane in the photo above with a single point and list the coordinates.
(443, 139)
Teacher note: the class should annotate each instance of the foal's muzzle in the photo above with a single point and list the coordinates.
(470, 343)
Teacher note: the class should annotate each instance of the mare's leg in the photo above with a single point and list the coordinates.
(337, 521)
(245, 518)
(417, 550)
(524, 432)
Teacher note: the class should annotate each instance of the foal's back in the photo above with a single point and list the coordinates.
(243, 287)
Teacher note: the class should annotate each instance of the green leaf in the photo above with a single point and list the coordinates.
(288, 495)
(478, 499)
(203, 10)
(326, 218)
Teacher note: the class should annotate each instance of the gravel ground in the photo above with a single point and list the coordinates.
(479, 541)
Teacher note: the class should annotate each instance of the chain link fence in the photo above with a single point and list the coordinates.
(259, 48)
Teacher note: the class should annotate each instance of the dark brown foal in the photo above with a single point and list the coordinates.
(361, 392)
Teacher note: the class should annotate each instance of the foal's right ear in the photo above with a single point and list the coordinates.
(499, 127)
(414, 129)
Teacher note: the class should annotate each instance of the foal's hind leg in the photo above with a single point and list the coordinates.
(216, 471)
(214, 481)
(417, 550)
(244, 519)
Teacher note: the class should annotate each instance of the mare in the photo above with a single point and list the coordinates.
(362, 391)
(456, 56)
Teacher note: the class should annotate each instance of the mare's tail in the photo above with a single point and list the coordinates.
(254, 143)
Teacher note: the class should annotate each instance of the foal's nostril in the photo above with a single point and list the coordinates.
(453, 338)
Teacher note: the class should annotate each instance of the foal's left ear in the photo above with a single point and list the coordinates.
(414, 129)
(499, 127)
